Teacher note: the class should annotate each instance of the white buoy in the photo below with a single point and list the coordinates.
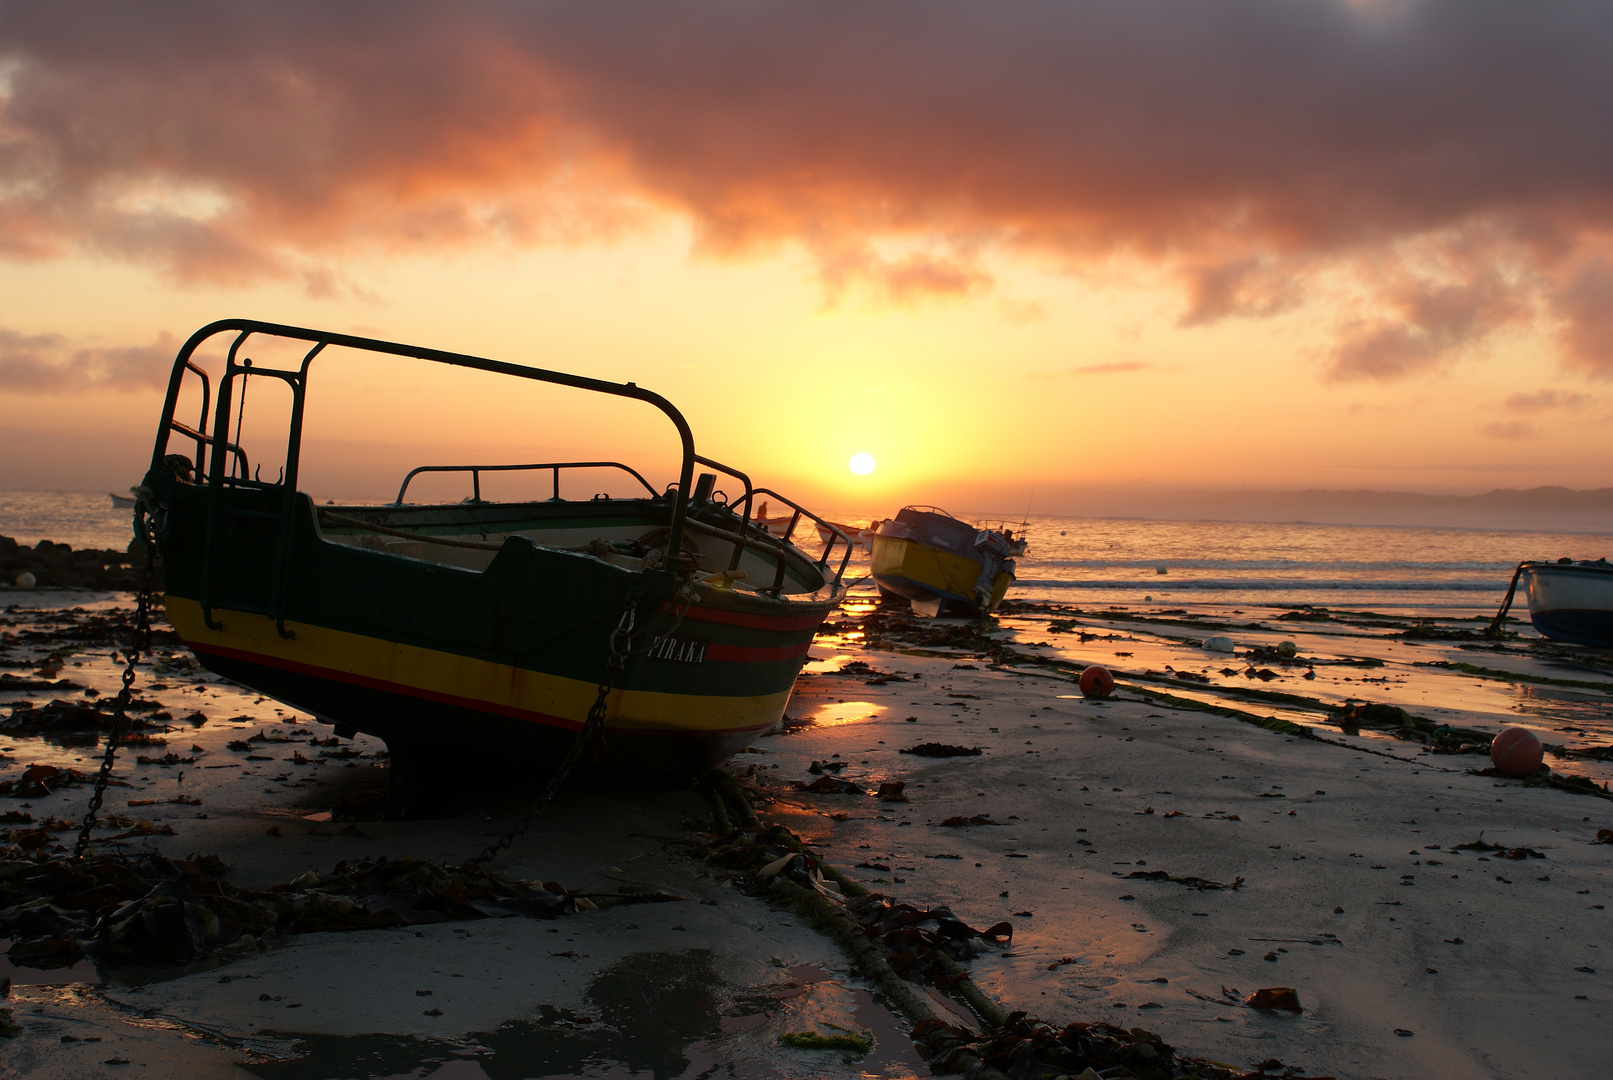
(1219, 644)
(26, 580)
(1161, 569)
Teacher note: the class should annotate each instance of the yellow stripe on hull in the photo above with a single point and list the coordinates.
(431, 673)
(949, 575)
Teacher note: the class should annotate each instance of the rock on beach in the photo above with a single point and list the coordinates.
(58, 566)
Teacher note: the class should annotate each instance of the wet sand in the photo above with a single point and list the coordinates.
(1079, 796)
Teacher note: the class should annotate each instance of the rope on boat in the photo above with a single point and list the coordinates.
(1494, 629)
(477, 545)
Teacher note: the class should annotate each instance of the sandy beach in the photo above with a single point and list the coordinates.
(1158, 862)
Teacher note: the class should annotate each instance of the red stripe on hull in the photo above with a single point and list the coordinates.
(742, 654)
(754, 622)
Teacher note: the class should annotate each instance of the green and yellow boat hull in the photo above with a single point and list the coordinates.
(477, 628)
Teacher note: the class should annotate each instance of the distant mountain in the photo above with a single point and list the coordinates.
(1543, 509)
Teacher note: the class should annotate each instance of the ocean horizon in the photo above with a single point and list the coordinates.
(1444, 570)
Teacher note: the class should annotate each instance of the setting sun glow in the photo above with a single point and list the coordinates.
(862, 464)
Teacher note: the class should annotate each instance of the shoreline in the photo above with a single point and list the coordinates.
(1183, 809)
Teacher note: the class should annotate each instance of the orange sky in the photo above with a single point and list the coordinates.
(1017, 254)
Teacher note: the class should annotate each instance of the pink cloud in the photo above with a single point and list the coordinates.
(1510, 429)
(1546, 401)
(1425, 325)
(1585, 302)
(43, 363)
(1243, 148)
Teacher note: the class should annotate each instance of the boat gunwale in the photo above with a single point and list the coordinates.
(1592, 569)
(800, 563)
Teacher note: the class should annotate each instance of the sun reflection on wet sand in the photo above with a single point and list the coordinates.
(822, 665)
(840, 713)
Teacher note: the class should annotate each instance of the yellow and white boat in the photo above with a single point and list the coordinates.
(941, 564)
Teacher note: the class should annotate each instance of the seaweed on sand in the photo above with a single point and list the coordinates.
(856, 1041)
(150, 909)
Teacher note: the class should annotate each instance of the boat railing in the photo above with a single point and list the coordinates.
(779, 549)
(554, 466)
(703, 492)
(836, 535)
(199, 435)
(236, 367)
(757, 535)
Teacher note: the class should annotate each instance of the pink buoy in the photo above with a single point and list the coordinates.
(1096, 682)
(1516, 752)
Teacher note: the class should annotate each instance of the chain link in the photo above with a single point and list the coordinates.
(138, 645)
(593, 728)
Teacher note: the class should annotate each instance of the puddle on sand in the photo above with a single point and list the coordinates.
(87, 972)
(665, 1015)
(827, 665)
(1567, 706)
(1418, 675)
(82, 972)
(840, 713)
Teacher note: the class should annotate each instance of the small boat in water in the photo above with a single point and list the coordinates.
(860, 535)
(125, 502)
(787, 523)
(471, 628)
(1568, 601)
(943, 565)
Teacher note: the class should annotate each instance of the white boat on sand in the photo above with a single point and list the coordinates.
(1568, 601)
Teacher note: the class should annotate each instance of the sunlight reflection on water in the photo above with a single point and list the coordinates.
(839, 713)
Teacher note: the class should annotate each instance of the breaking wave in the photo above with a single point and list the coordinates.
(1388, 566)
(1179, 585)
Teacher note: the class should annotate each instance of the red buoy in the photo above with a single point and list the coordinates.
(1096, 682)
(1516, 752)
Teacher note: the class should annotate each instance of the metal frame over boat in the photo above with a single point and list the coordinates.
(478, 626)
(940, 563)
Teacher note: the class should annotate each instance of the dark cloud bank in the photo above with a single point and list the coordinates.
(1451, 161)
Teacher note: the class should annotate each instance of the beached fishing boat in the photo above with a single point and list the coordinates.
(475, 627)
(941, 564)
(1568, 601)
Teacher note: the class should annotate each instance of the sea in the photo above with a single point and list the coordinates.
(1440, 572)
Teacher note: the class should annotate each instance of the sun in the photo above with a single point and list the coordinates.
(862, 464)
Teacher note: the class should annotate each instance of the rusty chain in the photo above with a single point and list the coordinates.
(139, 644)
(591, 729)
